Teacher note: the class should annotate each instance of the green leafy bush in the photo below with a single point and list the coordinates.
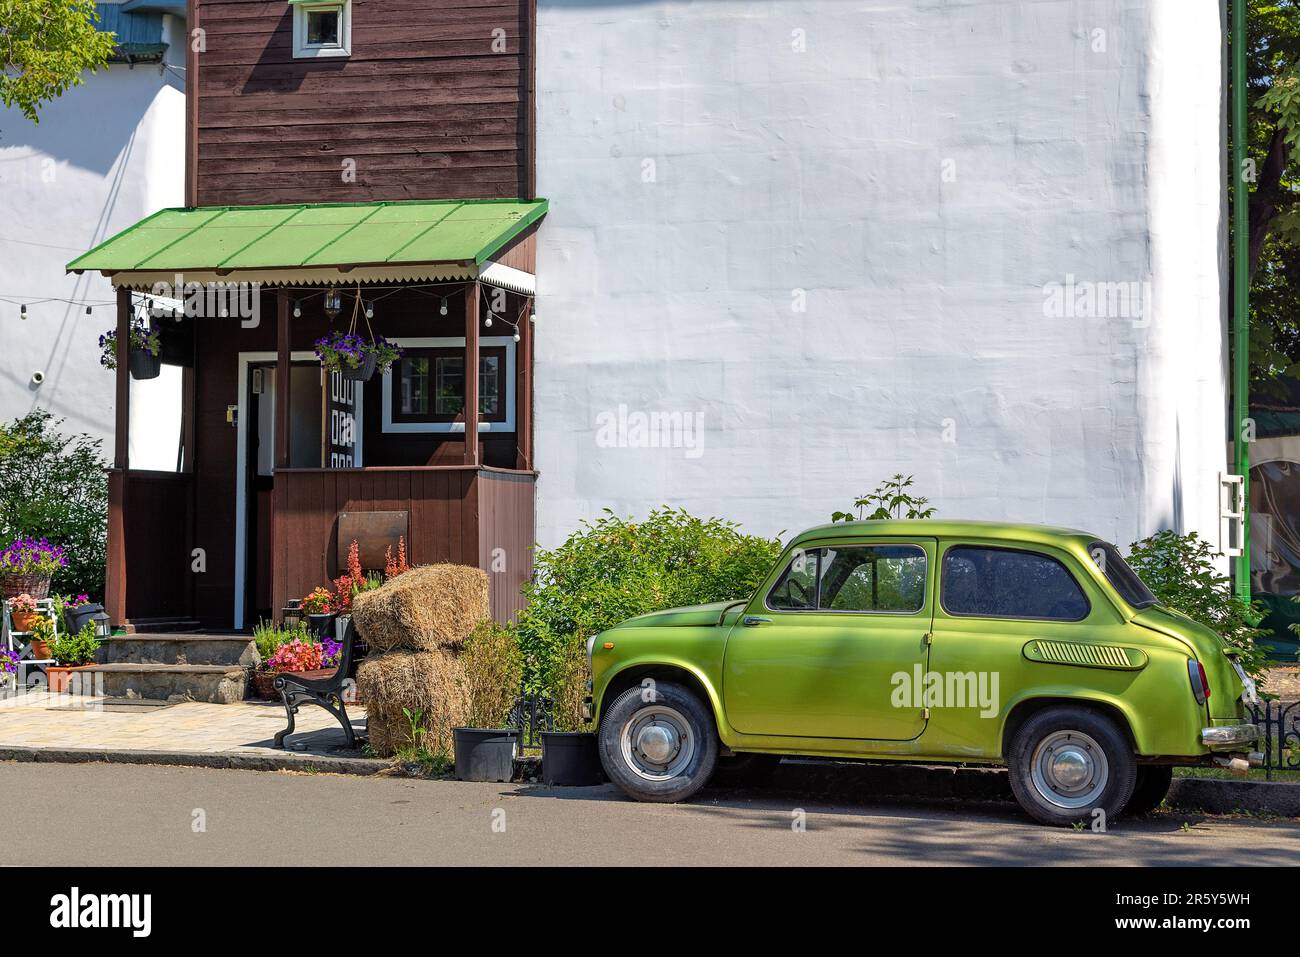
(493, 672)
(54, 486)
(616, 568)
(890, 499)
(1179, 570)
(79, 649)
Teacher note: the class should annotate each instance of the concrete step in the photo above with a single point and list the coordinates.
(183, 649)
(218, 684)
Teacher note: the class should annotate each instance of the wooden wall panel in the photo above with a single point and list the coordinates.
(506, 523)
(155, 547)
(424, 105)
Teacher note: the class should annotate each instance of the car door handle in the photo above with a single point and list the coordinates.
(751, 620)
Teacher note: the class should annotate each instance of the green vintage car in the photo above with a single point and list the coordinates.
(929, 641)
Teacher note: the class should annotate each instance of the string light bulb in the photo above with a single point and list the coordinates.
(22, 311)
(443, 310)
(297, 309)
(488, 323)
(88, 310)
(516, 335)
(532, 317)
(370, 310)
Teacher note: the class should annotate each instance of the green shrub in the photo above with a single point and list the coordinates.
(267, 637)
(1179, 570)
(79, 649)
(54, 486)
(890, 499)
(614, 569)
(493, 672)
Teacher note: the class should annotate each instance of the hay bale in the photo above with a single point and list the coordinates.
(431, 682)
(430, 607)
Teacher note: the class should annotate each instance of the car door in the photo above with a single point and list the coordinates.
(820, 650)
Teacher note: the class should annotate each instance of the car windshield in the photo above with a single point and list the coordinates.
(1123, 578)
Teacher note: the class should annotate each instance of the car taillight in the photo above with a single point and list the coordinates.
(1200, 683)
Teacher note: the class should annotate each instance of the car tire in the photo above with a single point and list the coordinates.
(1066, 762)
(746, 770)
(658, 742)
(1152, 787)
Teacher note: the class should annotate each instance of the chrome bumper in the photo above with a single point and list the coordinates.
(1229, 737)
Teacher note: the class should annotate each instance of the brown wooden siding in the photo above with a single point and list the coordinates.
(506, 522)
(423, 105)
(447, 511)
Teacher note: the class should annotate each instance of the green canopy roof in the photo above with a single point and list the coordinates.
(228, 238)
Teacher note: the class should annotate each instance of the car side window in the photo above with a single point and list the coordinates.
(1009, 583)
(796, 589)
(879, 578)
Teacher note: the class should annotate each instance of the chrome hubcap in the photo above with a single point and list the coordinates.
(657, 743)
(1069, 770)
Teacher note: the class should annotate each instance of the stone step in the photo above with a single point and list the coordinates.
(218, 684)
(145, 626)
(183, 649)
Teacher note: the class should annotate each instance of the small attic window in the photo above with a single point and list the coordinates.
(322, 28)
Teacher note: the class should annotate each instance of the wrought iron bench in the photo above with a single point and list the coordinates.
(327, 692)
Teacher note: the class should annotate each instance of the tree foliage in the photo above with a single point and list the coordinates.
(55, 486)
(45, 46)
(890, 499)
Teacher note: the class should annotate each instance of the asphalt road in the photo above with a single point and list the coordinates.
(141, 815)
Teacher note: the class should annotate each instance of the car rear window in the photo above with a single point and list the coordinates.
(1122, 578)
(988, 582)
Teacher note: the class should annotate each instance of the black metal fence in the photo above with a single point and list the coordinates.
(530, 716)
(1279, 725)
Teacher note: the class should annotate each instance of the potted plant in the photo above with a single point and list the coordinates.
(145, 356)
(27, 565)
(72, 652)
(8, 666)
(42, 636)
(318, 607)
(22, 612)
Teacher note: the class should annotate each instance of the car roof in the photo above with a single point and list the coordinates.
(947, 528)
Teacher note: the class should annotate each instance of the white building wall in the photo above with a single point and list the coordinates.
(103, 156)
(833, 228)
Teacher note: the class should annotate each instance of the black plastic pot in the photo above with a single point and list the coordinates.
(570, 759)
(144, 364)
(361, 373)
(485, 754)
(320, 626)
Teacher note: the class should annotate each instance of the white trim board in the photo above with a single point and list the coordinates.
(452, 342)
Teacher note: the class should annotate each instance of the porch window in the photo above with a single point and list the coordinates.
(322, 28)
(428, 385)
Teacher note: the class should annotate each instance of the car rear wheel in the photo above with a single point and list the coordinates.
(1066, 762)
(659, 742)
(1152, 786)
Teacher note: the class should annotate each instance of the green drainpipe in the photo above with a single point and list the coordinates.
(1240, 289)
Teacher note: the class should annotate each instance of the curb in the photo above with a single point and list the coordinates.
(1220, 796)
(199, 759)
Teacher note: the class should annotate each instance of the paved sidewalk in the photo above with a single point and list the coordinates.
(40, 720)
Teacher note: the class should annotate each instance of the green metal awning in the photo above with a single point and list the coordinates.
(311, 239)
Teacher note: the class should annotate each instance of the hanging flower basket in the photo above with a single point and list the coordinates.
(354, 356)
(26, 566)
(145, 356)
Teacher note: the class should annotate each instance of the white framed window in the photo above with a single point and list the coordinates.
(425, 390)
(322, 28)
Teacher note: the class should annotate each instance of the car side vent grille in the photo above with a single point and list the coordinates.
(1087, 656)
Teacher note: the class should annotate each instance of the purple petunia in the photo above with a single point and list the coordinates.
(27, 556)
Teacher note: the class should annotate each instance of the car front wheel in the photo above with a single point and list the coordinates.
(658, 742)
(1067, 762)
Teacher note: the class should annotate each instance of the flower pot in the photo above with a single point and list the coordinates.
(361, 373)
(41, 650)
(318, 626)
(23, 620)
(485, 754)
(144, 364)
(64, 679)
(36, 584)
(570, 759)
(263, 682)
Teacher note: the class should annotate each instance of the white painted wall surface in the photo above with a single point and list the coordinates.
(924, 347)
(104, 155)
